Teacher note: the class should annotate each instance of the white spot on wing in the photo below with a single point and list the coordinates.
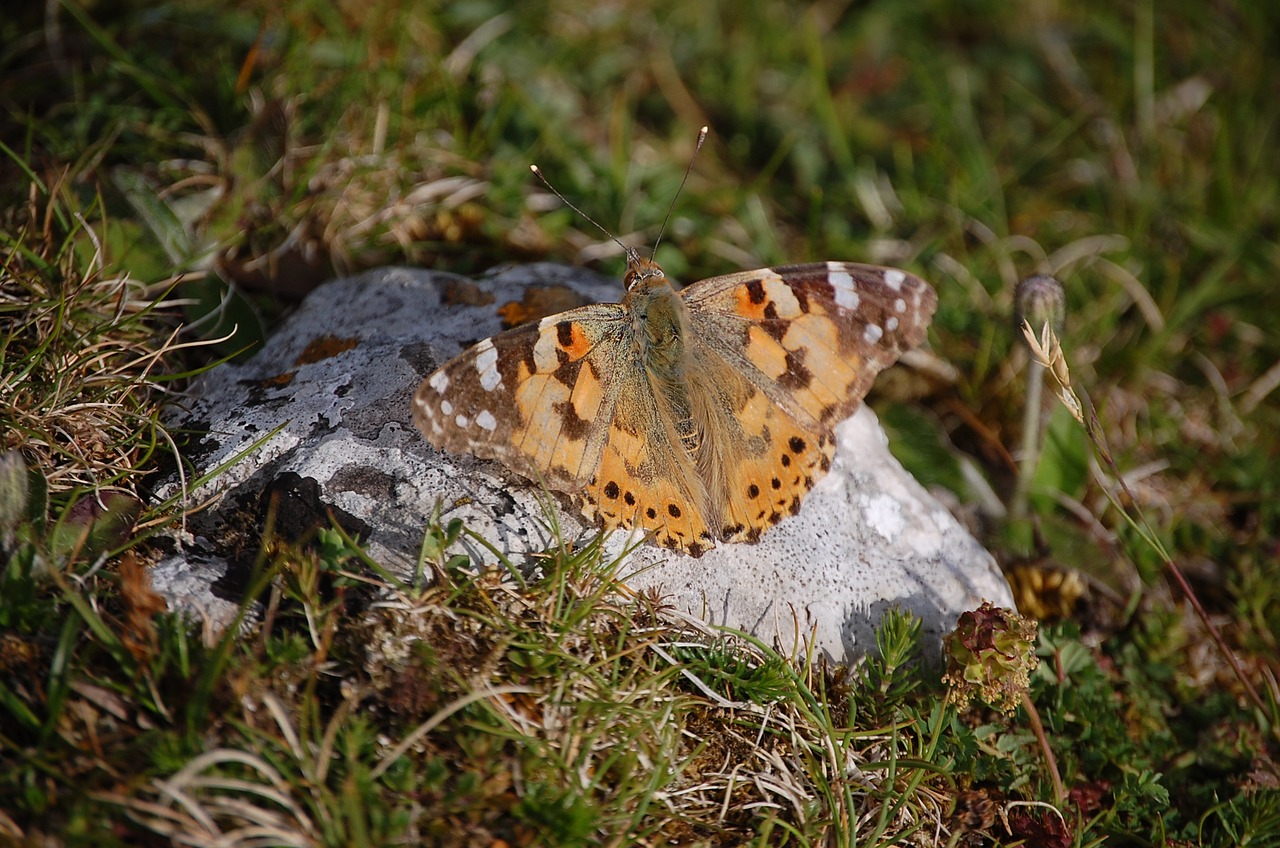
(446, 407)
(782, 297)
(439, 381)
(842, 282)
(462, 420)
(894, 278)
(900, 305)
(892, 323)
(487, 365)
(485, 420)
(545, 349)
(873, 333)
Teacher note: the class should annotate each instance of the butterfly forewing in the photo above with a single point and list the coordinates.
(539, 398)
(813, 337)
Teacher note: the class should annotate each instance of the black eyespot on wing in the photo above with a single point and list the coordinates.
(673, 510)
(611, 490)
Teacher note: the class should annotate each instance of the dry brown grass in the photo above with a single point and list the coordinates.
(85, 353)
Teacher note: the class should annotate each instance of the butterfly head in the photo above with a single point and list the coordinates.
(642, 273)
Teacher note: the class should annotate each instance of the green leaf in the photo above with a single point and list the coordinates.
(217, 311)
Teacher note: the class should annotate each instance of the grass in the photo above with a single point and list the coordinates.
(174, 177)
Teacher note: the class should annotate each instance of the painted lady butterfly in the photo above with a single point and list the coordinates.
(702, 415)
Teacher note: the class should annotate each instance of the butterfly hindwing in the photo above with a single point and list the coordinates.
(645, 480)
(756, 460)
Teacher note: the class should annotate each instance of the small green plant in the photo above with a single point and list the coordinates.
(990, 657)
(1048, 351)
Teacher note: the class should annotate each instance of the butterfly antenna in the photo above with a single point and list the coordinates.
(629, 251)
(702, 136)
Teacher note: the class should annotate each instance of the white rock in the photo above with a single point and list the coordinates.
(337, 380)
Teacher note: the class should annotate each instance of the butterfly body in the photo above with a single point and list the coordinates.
(702, 415)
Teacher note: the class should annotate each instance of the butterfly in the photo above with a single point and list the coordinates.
(700, 415)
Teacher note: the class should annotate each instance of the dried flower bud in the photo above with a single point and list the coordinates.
(1040, 300)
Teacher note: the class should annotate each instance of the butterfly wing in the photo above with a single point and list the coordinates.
(646, 479)
(565, 402)
(535, 397)
(787, 353)
(813, 337)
